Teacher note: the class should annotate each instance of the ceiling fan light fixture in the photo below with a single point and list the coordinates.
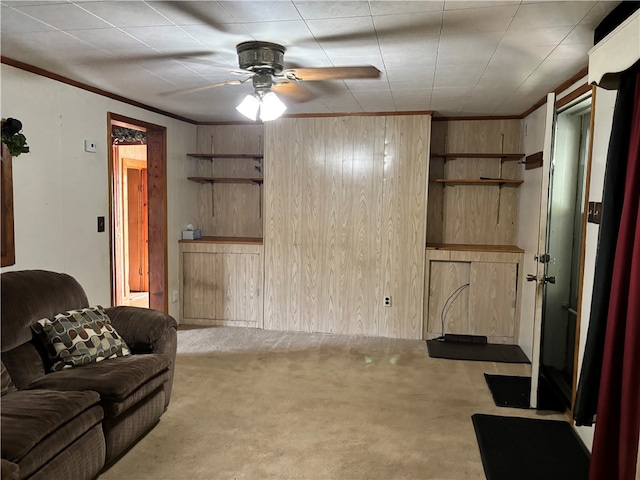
(271, 107)
(249, 106)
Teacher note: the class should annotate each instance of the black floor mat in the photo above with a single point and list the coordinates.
(530, 449)
(514, 392)
(481, 352)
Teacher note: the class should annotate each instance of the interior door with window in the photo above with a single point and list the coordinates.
(560, 241)
(567, 189)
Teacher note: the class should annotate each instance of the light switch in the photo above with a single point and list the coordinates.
(90, 146)
(595, 212)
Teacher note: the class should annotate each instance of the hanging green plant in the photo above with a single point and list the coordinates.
(15, 141)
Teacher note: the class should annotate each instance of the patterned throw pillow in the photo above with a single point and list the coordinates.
(78, 337)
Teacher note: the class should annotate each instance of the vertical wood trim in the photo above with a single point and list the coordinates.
(583, 247)
(114, 248)
(8, 235)
(157, 195)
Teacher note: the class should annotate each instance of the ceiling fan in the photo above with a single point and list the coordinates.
(263, 63)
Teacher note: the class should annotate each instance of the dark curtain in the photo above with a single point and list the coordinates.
(612, 200)
(610, 379)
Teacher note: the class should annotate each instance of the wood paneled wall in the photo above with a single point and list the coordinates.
(345, 224)
(474, 214)
(226, 209)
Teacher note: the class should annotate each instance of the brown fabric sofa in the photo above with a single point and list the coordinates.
(73, 422)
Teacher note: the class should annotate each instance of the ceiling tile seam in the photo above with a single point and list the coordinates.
(156, 75)
(578, 24)
(478, 7)
(535, 69)
(141, 41)
(112, 25)
(433, 78)
(493, 55)
(230, 14)
(384, 64)
(92, 14)
(186, 33)
(32, 18)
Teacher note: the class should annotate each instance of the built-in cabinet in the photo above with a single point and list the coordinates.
(472, 290)
(472, 270)
(222, 273)
(222, 281)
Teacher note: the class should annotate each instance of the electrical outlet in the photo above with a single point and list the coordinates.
(100, 224)
(386, 300)
(174, 296)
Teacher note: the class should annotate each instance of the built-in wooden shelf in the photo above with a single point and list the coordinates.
(480, 181)
(461, 247)
(502, 156)
(257, 181)
(211, 156)
(227, 240)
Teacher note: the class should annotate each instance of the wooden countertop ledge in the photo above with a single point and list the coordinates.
(227, 240)
(475, 248)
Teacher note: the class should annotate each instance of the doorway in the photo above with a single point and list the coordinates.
(131, 259)
(565, 214)
(137, 171)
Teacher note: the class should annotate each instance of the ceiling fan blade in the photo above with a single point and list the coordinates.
(293, 91)
(418, 25)
(120, 59)
(198, 11)
(331, 73)
(203, 87)
(230, 69)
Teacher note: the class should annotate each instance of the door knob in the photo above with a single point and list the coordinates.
(549, 279)
(532, 278)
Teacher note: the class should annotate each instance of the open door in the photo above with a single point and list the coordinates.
(558, 273)
(136, 213)
(539, 275)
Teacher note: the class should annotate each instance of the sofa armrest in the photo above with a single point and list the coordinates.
(10, 471)
(145, 330)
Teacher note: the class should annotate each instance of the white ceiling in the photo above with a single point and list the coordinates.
(453, 57)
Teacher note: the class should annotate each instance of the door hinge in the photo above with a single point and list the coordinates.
(543, 258)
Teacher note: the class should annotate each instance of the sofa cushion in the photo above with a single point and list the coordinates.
(120, 381)
(29, 417)
(7, 383)
(79, 337)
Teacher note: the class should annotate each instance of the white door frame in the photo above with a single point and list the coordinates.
(547, 159)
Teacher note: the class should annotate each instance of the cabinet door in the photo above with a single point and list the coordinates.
(221, 286)
(444, 302)
(492, 300)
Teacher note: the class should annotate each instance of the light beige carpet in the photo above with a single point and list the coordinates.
(255, 404)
